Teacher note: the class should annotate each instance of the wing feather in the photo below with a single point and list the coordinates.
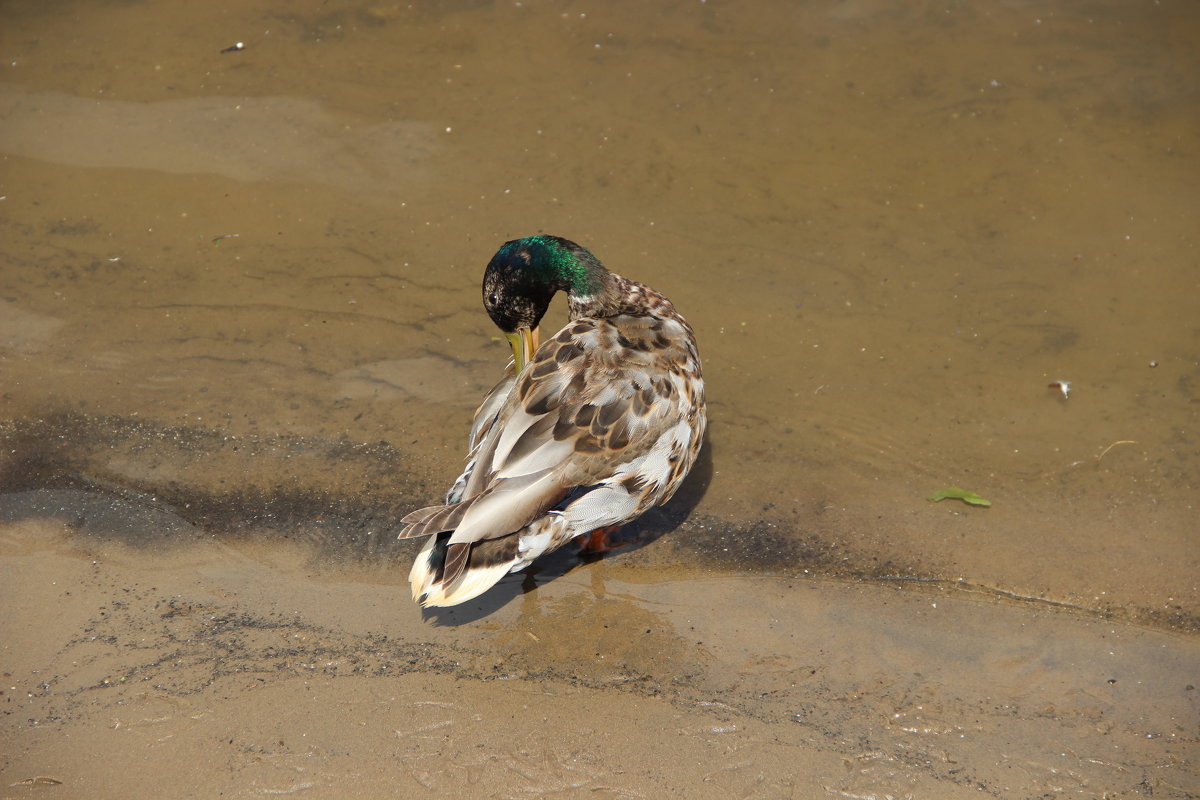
(598, 407)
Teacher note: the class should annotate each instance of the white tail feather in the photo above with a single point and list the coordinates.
(473, 581)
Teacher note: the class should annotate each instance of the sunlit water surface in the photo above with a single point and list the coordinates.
(923, 245)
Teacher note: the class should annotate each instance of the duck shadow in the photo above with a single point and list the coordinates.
(632, 537)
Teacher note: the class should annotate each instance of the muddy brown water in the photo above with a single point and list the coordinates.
(241, 335)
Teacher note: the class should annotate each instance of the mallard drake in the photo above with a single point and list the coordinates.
(584, 433)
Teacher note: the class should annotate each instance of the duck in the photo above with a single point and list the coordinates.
(584, 433)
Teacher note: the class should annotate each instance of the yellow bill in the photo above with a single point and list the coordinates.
(524, 343)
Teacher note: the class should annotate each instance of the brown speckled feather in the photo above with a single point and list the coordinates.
(603, 389)
(612, 401)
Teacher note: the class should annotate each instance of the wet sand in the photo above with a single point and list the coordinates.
(240, 337)
(246, 670)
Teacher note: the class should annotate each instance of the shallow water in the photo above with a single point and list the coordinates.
(241, 335)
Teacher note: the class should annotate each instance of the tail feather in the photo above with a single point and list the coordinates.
(435, 519)
(419, 516)
(454, 562)
(483, 564)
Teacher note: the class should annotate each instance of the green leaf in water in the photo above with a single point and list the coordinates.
(955, 493)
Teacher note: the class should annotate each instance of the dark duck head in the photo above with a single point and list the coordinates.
(522, 278)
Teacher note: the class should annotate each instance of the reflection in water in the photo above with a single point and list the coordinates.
(892, 226)
(242, 138)
(25, 333)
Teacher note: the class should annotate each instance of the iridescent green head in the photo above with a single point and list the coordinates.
(522, 278)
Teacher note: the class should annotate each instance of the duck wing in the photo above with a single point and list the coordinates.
(598, 427)
(485, 417)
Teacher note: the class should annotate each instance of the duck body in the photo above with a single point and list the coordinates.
(602, 423)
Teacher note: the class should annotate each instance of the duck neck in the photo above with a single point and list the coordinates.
(615, 295)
